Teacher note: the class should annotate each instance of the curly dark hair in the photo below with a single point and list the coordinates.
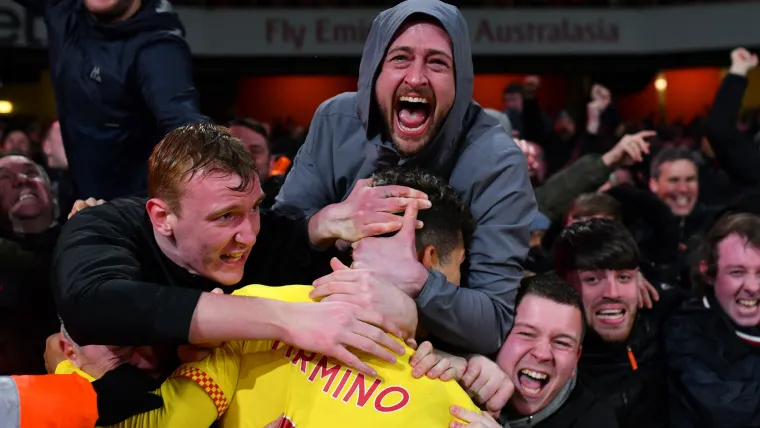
(445, 221)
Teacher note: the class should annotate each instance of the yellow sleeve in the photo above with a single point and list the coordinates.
(196, 394)
(185, 405)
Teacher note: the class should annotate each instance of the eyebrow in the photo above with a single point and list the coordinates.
(558, 336)
(429, 52)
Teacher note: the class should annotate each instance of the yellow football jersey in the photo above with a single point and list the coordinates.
(312, 390)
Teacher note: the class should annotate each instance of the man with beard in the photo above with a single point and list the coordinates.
(622, 358)
(414, 108)
(122, 76)
(713, 341)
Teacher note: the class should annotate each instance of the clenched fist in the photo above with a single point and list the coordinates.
(742, 61)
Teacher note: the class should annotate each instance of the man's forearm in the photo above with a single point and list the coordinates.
(469, 319)
(219, 318)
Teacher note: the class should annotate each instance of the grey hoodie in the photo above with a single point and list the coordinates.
(472, 151)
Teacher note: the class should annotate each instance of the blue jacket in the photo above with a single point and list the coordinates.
(472, 151)
(119, 88)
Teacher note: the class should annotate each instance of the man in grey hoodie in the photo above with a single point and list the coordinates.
(414, 108)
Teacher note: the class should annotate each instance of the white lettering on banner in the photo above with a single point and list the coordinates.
(563, 31)
(504, 31)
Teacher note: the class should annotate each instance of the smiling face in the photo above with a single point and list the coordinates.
(217, 226)
(541, 352)
(415, 88)
(610, 298)
(737, 282)
(677, 186)
(24, 192)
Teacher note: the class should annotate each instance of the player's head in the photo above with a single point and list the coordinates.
(542, 350)
(600, 259)
(96, 360)
(205, 196)
(447, 225)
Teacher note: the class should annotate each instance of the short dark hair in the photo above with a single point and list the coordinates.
(514, 88)
(591, 204)
(201, 148)
(670, 154)
(746, 225)
(252, 124)
(445, 221)
(596, 244)
(551, 287)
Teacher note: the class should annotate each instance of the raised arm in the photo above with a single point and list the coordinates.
(165, 77)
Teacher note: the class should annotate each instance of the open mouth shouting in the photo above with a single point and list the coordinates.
(412, 114)
(532, 382)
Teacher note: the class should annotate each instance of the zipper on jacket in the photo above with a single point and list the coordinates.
(632, 359)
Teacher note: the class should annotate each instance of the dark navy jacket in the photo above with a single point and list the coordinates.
(119, 87)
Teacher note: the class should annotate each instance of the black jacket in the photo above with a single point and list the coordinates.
(119, 88)
(640, 396)
(714, 375)
(581, 410)
(113, 285)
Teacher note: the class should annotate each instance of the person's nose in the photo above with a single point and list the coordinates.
(247, 233)
(415, 76)
(20, 179)
(542, 350)
(612, 288)
(752, 284)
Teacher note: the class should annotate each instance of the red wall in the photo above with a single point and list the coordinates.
(272, 97)
(689, 93)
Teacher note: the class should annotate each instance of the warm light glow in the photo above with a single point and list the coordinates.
(6, 107)
(661, 83)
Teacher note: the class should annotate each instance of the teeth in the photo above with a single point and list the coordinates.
(405, 129)
(232, 257)
(748, 303)
(530, 390)
(534, 375)
(611, 313)
(26, 196)
(682, 200)
(413, 100)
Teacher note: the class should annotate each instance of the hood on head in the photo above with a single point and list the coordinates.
(383, 30)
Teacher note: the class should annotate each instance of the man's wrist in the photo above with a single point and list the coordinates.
(319, 228)
(739, 70)
(420, 279)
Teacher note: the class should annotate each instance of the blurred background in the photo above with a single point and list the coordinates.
(277, 60)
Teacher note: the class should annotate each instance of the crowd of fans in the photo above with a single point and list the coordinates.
(458, 3)
(409, 259)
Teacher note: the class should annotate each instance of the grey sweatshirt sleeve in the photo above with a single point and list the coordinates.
(308, 186)
(477, 318)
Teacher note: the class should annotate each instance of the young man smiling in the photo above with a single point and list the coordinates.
(135, 273)
(622, 359)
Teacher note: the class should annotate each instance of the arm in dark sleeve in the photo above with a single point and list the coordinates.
(478, 317)
(307, 188)
(735, 153)
(99, 290)
(534, 128)
(165, 76)
(555, 196)
(37, 7)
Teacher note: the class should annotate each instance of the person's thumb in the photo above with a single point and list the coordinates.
(217, 291)
(337, 265)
